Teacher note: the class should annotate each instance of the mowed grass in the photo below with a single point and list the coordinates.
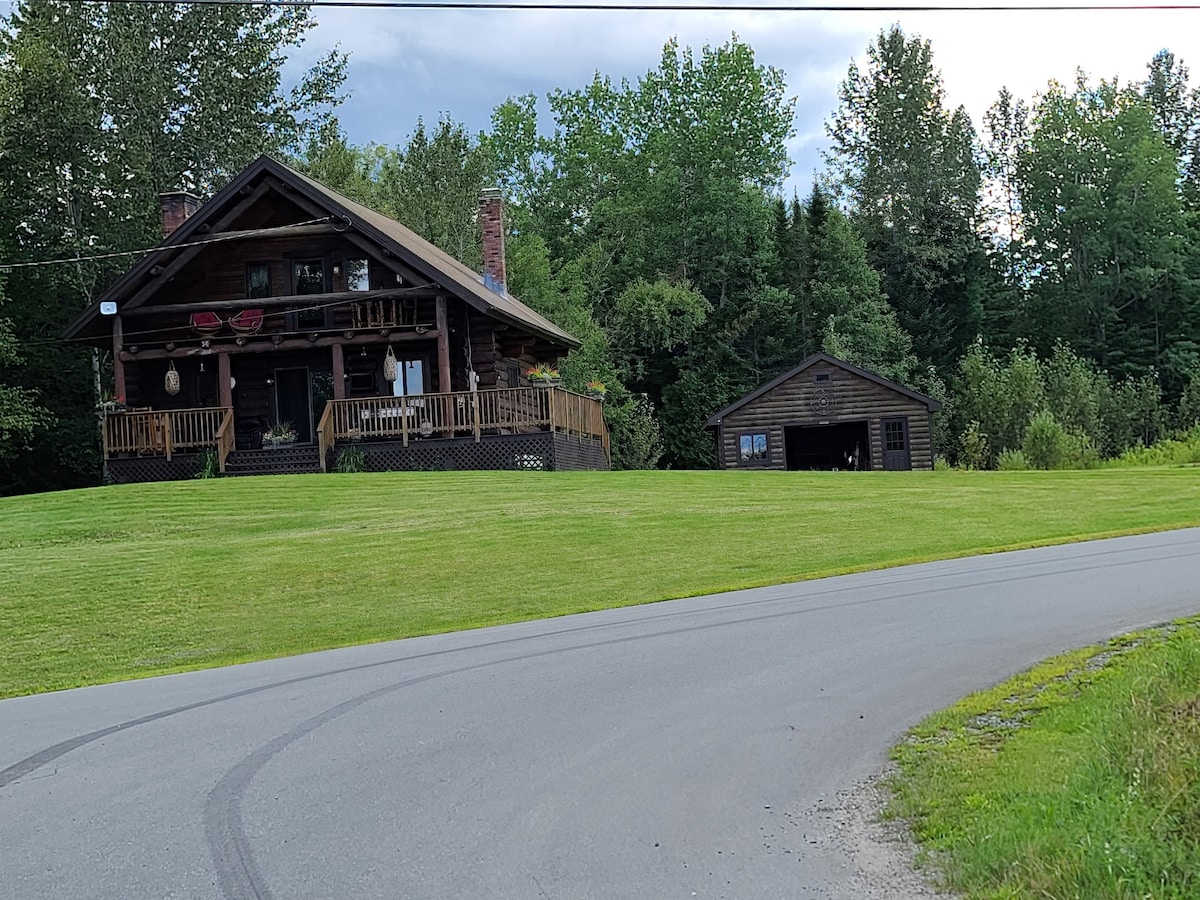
(1078, 779)
(129, 581)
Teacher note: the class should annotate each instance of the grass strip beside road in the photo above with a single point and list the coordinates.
(121, 582)
(1080, 778)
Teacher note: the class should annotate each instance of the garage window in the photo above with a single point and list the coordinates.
(752, 449)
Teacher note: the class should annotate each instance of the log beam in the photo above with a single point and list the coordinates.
(118, 362)
(339, 373)
(224, 380)
(443, 346)
(374, 337)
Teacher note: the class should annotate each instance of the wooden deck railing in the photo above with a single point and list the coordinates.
(467, 413)
(225, 439)
(325, 435)
(166, 431)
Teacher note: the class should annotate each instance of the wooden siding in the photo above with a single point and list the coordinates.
(855, 399)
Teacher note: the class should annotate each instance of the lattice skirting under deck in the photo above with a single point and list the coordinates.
(153, 468)
(533, 452)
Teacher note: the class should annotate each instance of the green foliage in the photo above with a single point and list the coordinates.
(1189, 401)
(351, 459)
(1077, 779)
(907, 166)
(1045, 444)
(208, 464)
(975, 451)
(20, 414)
(658, 315)
(1183, 450)
(1012, 461)
(1104, 227)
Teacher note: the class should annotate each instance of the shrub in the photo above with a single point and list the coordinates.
(208, 465)
(1045, 443)
(974, 454)
(1012, 461)
(351, 459)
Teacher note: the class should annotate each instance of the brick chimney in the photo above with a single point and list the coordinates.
(491, 223)
(177, 207)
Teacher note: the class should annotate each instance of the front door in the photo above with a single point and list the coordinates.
(895, 445)
(293, 401)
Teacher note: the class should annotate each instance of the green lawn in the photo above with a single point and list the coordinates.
(129, 581)
(1080, 778)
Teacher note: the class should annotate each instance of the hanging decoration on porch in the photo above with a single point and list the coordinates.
(172, 383)
(389, 365)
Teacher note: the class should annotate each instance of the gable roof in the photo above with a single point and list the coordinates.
(406, 245)
(931, 404)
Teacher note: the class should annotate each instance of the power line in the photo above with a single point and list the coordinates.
(480, 5)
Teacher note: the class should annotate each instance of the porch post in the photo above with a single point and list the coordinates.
(339, 373)
(223, 380)
(118, 366)
(443, 346)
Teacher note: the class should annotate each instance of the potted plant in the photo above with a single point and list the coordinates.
(111, 405)
(596, 389)
(543, 375)
(280, 434)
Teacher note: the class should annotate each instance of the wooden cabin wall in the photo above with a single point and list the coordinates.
(856, 399)
(485, 349)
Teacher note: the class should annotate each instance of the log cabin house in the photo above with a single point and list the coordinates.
(281, 301)
(827, 414)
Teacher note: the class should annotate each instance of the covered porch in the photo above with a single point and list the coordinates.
(500, 428)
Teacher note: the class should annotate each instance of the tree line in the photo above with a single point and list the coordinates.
(1040, 274)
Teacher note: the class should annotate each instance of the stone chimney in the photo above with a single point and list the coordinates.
(177, 207)
(491, 223)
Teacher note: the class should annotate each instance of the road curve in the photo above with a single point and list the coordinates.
(681, 749)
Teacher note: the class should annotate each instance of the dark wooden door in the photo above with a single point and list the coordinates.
(896, 456)
(293, 401)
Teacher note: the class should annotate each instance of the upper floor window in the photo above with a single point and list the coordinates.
(258, 280)
(308, 277)
(358, 275)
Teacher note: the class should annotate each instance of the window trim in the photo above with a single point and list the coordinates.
(753, 461)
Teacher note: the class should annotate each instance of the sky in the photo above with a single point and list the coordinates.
(406, 64)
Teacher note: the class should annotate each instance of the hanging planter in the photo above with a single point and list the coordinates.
(389, 365)
(172, 382)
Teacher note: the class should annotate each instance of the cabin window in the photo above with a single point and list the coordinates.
(308, 277)
(258, 280)
(893, 435)
(410, 378)
(821, 376)
(358, 274)
(752, 449)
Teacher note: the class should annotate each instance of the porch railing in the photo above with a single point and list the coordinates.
(166, 431)
(466, 413)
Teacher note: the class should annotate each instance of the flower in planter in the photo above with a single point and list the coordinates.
(596, 387)
(279, 433)
(111, 405)
(542, 373)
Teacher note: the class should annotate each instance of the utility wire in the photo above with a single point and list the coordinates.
(666, 7)
(239, 236)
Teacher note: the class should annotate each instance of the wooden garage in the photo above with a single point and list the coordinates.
(827, 414)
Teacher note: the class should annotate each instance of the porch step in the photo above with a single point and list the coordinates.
(280, 461)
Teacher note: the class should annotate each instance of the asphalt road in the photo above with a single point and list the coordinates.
(682, 749)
